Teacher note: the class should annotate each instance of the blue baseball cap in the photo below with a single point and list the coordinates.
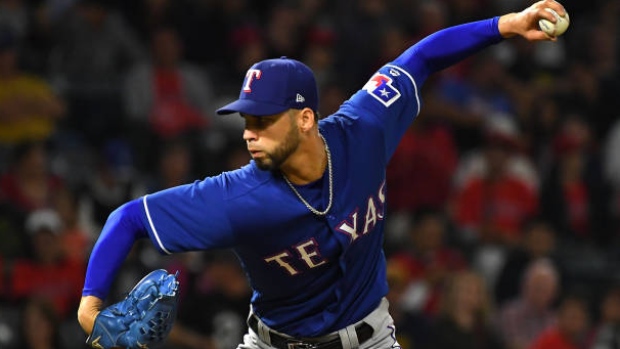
(273, 86)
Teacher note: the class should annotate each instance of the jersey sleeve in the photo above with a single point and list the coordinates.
(392, 95)
(391, 98)
(189, 217)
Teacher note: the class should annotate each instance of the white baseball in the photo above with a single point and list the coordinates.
(554, 29)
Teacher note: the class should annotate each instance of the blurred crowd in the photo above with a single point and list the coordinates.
(503, 196)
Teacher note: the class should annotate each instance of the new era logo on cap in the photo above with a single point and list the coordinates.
(273, 86)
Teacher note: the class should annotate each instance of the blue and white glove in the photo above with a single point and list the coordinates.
(143, 318)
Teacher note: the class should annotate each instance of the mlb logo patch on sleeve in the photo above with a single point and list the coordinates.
(380, 87)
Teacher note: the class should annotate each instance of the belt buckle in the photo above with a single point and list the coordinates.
(301, 345)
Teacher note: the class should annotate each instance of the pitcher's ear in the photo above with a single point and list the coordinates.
(307, 119)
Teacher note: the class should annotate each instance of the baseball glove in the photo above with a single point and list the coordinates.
(144, 317)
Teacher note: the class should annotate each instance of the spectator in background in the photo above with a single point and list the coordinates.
(360, 27)
(28, 185)
(427, 263)
(246, 44)
(504, 133)
(393, 41)
(40, 326)
(465, 126)
(218, 310)
(582, 89)
(524, 319)
(284, 31)
(606, 333)
(539, 129)
(424, 164)
(538, 242)
(483, 92)
(430, 16)
(465, 316)
(112, 182)
(417, 273)
(175, 167)
(574, 197)
(413, 327)
(319, 53)
(571, 328)
(593, 83)
(93, 49)
(145, 16)
(94, 46)
(48, 274)
(496, 191)
(29, 109)
(167, 96)
(191, 273)
(219, 23)
(76, 241)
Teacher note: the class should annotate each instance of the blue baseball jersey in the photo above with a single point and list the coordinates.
(311, 275)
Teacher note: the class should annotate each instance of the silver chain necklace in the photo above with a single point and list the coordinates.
(331, 180)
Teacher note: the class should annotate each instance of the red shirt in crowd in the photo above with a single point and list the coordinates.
(501, 206)
(60, 283)
(576, 195)
(12, 191)
(431, 267)
(420, 172)
(172, 114)
(553, 339)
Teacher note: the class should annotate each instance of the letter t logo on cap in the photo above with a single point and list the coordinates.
(249, 78)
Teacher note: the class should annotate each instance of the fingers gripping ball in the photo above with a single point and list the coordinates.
(144, 317)
(554, 29)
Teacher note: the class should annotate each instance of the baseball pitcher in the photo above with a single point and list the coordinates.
(305, 216)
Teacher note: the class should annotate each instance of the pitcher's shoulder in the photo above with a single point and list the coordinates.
(243, 180)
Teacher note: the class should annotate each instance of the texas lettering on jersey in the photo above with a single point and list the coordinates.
(374, 213)
(308, 251)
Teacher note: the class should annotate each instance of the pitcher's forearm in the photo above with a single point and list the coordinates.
(447, 47)
(90, 306)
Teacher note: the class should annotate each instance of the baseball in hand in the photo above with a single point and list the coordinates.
(554, 29)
